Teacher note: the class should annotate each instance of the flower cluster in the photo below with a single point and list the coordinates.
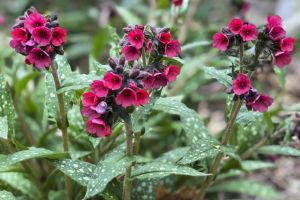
(38, 37)
(139, 70)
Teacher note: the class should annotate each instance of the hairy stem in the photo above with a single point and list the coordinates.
(127, 184)
(63, 119)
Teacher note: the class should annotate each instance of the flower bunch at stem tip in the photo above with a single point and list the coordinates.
(139, 70)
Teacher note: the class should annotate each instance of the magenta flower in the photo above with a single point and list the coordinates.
(97, 127)
(112, 81)
(261, 103)
(127, 97)
(18, 46)
(241, 84)
(99, 88)
(164, 37)
(248, 32)
(287, 44)
(148, 81)
(235, 25)
(58, 36)
(39, 58)
(160, 79)
(172, 48)
(282, 58)
(136, 38)
(19, 34)
(171, 72)
(273, 21)
(130, 53)
(89, 113)
(33, 21)
(149, 46)
(177, 2)
(142, 97)
(277, 33)
(41, 35)
(89, 99)
(220, 41)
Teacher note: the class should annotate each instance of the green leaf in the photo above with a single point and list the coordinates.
(78, 170)
(77, 82)
(194, 45)
(3, 127)
(276, 149)
(32, 152)
(245, 117)
(19, 182)
(5, 195)
(127, 16)
(251, 165)
(100, 41)
(220, 75)
(106, 170)
(281, 75)
(173, 156)
(22, 83)
(248, 187)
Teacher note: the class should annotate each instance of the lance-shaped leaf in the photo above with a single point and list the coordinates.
(221, 75)
(281, 150)
(6, 195)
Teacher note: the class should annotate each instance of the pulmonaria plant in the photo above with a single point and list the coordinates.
(268, 43)
(138, 71)
(39, 38)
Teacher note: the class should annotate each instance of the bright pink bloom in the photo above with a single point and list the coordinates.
(34, 20)
(58, 36)
(127, 97)
(98, 128)
(112, 81)
(99, 88)
(177, 2)
(287, 44)
(89, 99)
(248, 32)
(160, 79)
(130, 53)
(41, 35)
(18, 46)
(164, 37)
(19, 34)
(220, 41)
(142, 97)
(149, 46)
(172, 48)
(136, 38)
(235, 25)
(241, 84)
(273, 21)
(171, 72)
(282, 58)
(277, 33)
(39, 58)
(262, 103)
(89, 113)
(148, 82)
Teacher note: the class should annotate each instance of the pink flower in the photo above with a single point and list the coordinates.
(89, 113)
(164, 37)
(241, 84)
(262, 103)
(130, 53)
(19, 34)
(160, 79)
(149, 46)
(34, 20)
(41, 35)
(248, 32)
(287, 44)
(177, 2)
(89, 99)
(277, 33)
(39, 58)
(282, 58)
(127, 97)
(58, 36)
(142, 97)
(148, 82)
(18, 46)
(171, 73)
(99, 88)
(112, 81)
(172, 48)
(98, 127)
(235, 25)
(220, 41)
(273, 21)
(136, 38)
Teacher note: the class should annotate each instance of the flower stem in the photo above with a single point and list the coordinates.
(63, 119)
(127, 184)
(241, 56)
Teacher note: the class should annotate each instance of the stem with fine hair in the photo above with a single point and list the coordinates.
(63, 119)
(127, 184)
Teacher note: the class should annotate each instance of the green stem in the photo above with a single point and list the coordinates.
(241, 56)
(127, 184)
(63, 119)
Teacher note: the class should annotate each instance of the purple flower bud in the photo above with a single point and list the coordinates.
(112, 63)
